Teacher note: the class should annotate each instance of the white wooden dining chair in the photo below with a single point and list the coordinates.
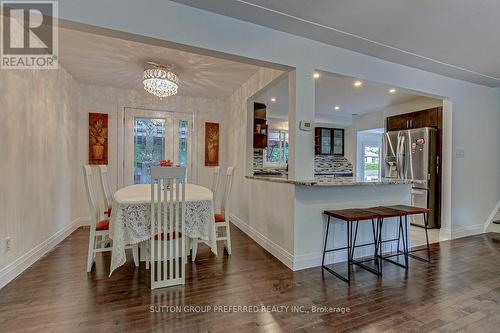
(222, 227)
(106, 190)
(214, 187)
(215, 182)
(167, 245)
(221, 218)
(99, 226)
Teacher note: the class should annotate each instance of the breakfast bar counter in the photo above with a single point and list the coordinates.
(332, 181)
(297, 208)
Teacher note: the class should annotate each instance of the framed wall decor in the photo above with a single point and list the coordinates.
(98, 138)
(211, 144)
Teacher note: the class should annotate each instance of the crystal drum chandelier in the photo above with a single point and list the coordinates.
(160, 81)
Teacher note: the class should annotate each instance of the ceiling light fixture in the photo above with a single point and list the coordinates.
(358, 83)
(392, 90)
(159, 80)
(316, 75)
(337, 107)
(273, 99)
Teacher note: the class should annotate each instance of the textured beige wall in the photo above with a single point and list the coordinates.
(39, 158)
(265, 208)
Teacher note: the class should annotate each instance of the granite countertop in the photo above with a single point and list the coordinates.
(332, 181)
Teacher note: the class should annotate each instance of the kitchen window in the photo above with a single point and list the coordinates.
(371, 162)
(276, 153)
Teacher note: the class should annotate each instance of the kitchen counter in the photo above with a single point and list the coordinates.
(331, 181)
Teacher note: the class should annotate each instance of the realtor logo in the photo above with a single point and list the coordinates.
(29, 34)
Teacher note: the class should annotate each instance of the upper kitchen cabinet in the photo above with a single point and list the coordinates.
(328, 141)
(259, 126)
(424, 118)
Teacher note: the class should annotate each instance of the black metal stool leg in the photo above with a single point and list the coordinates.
(354, 241)
(381, 224)
(410, 252)
(399, 235)
(405, 248)
(348, 252)
(375, 245)
(360, 263)
(332, 250)
(426, 222)
(406, 239)
(326, 239)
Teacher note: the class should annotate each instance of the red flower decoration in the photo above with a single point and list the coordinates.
(166, 163)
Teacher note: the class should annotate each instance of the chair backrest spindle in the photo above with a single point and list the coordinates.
(167, 248)
(89, 188)
(227, 192)
(106, 190)
(215, 182)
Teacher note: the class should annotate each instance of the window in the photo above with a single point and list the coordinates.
(371, 162)
(149, 146)
(183, 143)
(277, 148)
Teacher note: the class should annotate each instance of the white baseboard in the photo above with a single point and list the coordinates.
(490, 219)
(280, 253)
(310, 260)
(467, 231)
(12, 270)
(305, 261)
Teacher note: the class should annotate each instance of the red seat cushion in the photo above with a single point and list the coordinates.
(173, 234)
(219, 218)
(107, 212)
(103, 225)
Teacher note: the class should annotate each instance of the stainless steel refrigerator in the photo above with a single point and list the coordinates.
(412, 154)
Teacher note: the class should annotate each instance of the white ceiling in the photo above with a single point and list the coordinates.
(333, 89)
(119, 63)
(457, 38)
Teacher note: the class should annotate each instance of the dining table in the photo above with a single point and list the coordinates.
(131, 218)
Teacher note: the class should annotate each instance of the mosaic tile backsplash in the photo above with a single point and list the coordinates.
(323, 164)
(328, 164)
(258, 158)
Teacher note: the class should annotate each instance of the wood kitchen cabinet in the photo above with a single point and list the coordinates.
(328, 141)
(425, 118)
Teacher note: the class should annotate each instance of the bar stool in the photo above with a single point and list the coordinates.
(352, 218)
(412, 210)
(383, 213)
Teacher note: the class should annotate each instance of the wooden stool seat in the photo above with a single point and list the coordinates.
(384, 212)
(350, 215)
(410, 210)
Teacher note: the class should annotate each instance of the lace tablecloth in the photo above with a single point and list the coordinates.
(130, 218)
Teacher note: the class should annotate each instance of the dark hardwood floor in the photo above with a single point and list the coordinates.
(460, 291)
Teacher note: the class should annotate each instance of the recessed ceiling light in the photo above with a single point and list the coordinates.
(358, 83)
(392, 90)
(337, 107)
(316, 75)
(273, 99)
